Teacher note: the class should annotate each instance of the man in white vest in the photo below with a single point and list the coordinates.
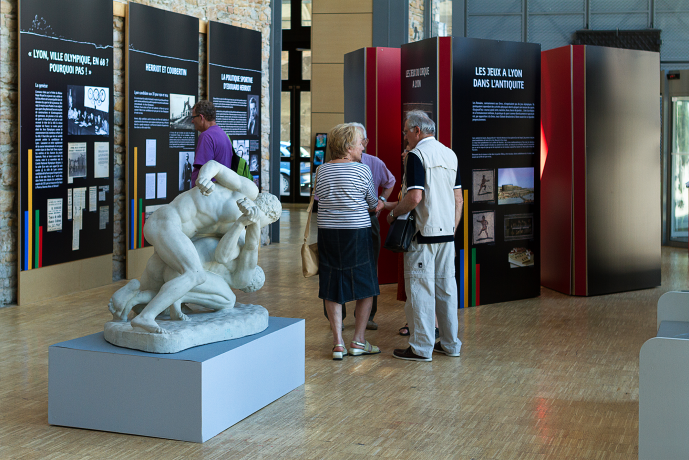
(433, 192)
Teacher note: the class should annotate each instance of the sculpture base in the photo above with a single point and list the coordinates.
(201, 329)
(189, 396)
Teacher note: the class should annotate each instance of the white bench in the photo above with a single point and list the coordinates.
(664, 383)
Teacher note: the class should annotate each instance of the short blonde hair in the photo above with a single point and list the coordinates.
(341, 139)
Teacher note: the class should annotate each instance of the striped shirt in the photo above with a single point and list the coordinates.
(345, 194)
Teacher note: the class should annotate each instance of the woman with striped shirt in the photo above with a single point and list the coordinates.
(347, 269)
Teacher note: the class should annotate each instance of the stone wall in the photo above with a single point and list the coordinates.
(416, 11)
(250, 14)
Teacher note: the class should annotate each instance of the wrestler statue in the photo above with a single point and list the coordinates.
(205, 243)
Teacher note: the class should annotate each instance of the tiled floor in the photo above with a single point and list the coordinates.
(547, 378)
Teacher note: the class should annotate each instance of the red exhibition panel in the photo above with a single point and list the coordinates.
(556, 173)
(383, 114)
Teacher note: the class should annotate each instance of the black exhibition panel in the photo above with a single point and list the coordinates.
(234, 87)
(66, 131)
(162, 82)
(496, 135)
(419, 61)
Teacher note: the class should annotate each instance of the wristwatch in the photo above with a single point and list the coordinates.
(382, 198)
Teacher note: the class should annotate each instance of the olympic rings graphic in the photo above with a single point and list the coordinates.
(97, 96)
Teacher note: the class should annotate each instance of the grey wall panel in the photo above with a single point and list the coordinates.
(355, 86)
(623, 169)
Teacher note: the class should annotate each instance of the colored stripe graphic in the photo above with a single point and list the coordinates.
(465, 259)
(36, 240)
(136, 214)
(132, 213)
(40, 246)
(473, 277)
(462, 287)
(26, 239)
(478, 284)
(30, 203)
(141, 223)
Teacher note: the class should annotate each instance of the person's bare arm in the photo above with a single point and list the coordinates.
(225, 177)
(386, 193)
(459, 204)
(410, 201)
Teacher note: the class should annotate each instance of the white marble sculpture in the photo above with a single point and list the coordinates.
(205, 243)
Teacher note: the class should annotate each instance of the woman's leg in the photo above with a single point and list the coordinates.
(335, 318)
(363, 310)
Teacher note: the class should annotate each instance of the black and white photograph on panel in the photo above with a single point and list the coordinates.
(484, 227)
(521, 257)
(186, 161)
(180, 111)
(76, 158)
(241, 148)
(88, 110)
(519, 227)
(516, 185)
(252, 115)
(253, 163)
(483, 185)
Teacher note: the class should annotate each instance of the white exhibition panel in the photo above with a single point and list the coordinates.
(189, 396)
(664, 383)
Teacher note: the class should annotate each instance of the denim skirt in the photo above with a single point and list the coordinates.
(346, 265)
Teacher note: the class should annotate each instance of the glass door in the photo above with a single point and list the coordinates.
(679, 170)
(295, 125)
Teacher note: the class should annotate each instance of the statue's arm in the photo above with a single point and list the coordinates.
(228, 242)
(248, 256)
(225, 177)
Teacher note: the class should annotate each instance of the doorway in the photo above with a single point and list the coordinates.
(295, 117)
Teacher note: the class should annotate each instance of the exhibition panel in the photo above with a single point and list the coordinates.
(484, 97)
(601, 125)
(372, 97)
(162, 88)
(234, 87)
(496, 113)
(65, 144)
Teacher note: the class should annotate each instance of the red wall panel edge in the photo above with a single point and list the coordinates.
(370, 69)
(556, 173)
(388, 140)
(579, 168)
(444, 98)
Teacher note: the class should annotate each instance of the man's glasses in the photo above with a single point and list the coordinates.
(194, 116)
(364, 142)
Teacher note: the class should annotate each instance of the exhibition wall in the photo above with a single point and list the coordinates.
(65, 146)
(255, 15)
(484, 97)
(372, 97)
(601, 228)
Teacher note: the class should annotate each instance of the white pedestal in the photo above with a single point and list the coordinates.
(190, 396)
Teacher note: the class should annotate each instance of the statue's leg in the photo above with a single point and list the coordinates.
(120, 300)
(178, 252)
(214, 294)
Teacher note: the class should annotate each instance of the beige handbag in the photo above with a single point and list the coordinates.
(309, 252)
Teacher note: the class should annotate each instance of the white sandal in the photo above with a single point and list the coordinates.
(338, 355)
(367, 349)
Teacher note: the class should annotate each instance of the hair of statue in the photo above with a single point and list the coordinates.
(270, 205)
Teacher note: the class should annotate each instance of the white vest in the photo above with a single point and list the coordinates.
(435, 213)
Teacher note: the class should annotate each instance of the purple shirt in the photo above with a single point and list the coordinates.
(382, 177)
(213, 145)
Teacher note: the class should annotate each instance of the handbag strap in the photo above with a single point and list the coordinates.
(308, 219)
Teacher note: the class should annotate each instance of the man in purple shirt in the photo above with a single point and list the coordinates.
(382, 179)
(213, 142)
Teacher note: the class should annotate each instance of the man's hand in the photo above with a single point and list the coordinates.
(390, 219)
